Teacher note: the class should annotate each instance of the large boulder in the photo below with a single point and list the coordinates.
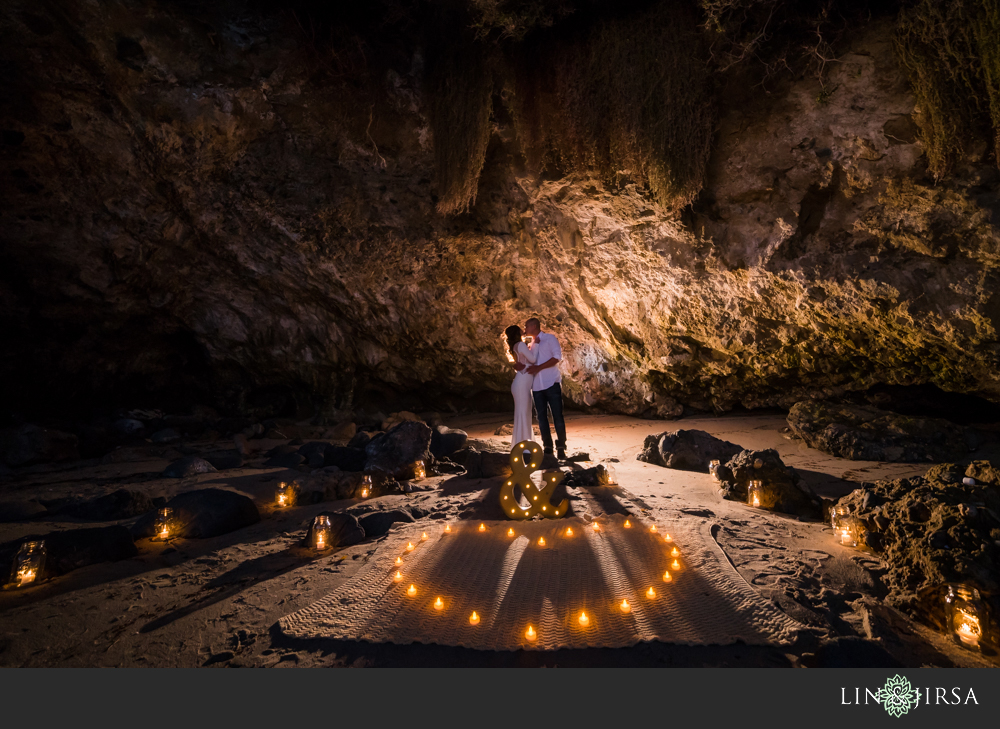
(345, 530)
(396, 450)
(120, 504)
(204, 513)
(483, 463)
(222, 460)
(687, 450)
(865, 433)
(285, 460)
(782, 488)
(75, 548)
(379, 522)
(29, 444)
(342, 431)
(188, 466)
(931, 530)
(445, 441)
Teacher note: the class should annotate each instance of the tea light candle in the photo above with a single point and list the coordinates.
(398, 577)
(399, 560)
(625, 607)
(675, 552)
(530, 633)
(423, 537)
(26, 577)
(510, 532)
(474, 618)
(411, 590)
(667, 538)
(419, 471)
(666, 576)
(569, 531)
(409, 546)
(439, 604)
(541, 541)
(482, 527)
(628, 524)
(653, 528)
(675, 566)
(650, 593)
(447, 528)
(584, 620)
(597, 527)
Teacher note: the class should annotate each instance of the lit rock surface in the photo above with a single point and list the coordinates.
(191, 207)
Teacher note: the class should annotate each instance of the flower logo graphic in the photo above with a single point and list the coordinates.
(897, 696)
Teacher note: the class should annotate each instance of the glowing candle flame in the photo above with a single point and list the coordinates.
(675, 552)
(320, 542)
(569, 531)
(282, 499)
(423, 537)
(25, 577)
(447, 529)
(409, 546)
(650, 593)
(653, 529)
(597, 527)
(667, 577)
(968, 629)
(473, 619)
(399, 560)
(482, 527)
(510, 532)
(439, 604)
(628, 524)
(541, 541)
(165, 533)
(530, 634)
(364, 493)
(411, 590)
(667, 538)
(756, 500)
(397, 577)
(625, 607)
(584, 620)
(675, 566)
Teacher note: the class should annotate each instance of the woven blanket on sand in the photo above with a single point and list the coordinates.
(513, 581)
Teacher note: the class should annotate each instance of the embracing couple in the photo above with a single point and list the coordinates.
(537, 379)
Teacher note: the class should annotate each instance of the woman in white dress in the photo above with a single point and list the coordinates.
(518, 351)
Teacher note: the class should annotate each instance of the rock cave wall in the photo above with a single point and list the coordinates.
(194, 207)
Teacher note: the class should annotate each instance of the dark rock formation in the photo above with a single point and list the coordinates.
(345, 458)
(688, 450)
(167, 435)
(29, 444)
(782, 489)
(445, 441)
(933, 530)
(345, 530)
(120, 504)
(285, 460)
(188, 466)
(869, 434)
(12, 511)
(204, 513)
(207, 214)
(223, 460)
(75, 548)
(483, 463)
(379, 522)
(396, 450)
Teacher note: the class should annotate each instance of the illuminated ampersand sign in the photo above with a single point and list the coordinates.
(525, 458)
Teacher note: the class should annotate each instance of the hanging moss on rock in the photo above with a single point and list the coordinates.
(629, 97)
(951, 50)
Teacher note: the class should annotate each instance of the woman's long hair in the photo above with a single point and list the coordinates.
(512, 335)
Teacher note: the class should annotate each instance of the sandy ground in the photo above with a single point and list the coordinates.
(217, 601)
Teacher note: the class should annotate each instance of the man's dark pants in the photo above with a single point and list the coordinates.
(545, 400)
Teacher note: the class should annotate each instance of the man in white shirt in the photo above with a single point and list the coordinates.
(546, 389)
